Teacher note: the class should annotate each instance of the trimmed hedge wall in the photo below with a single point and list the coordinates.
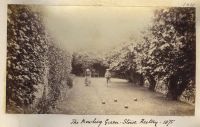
(37, 70)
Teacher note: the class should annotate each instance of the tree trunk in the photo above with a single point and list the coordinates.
(175, 90)
(172, 88)
(131, 77)
(135, 78)
(152, 82)
(141, 80)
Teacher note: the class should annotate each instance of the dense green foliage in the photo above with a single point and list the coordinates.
(82, 61)
(35, 66)
(122, 63)
(38, 72)
(165, 53)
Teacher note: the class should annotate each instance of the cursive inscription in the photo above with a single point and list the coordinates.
(116, 123)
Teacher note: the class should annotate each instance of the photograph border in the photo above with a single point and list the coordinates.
(54, 120)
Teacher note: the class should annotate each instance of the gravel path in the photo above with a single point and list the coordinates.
(87, 100)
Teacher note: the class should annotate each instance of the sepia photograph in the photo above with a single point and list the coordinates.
(101, 60)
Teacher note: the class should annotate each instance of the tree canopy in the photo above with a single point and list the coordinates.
(165, 52)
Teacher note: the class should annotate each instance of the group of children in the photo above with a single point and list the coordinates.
(88, 76)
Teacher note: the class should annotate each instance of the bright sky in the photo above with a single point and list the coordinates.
(95, 28)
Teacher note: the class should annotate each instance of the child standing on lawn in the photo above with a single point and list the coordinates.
(87, 77)
(107, 76)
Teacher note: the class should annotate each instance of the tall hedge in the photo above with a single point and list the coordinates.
(31, 70)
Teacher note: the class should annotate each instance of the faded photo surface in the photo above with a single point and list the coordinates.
(99, 60)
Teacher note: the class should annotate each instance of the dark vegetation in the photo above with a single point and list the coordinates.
(94, 62)
(164, 57)
(38, 71)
